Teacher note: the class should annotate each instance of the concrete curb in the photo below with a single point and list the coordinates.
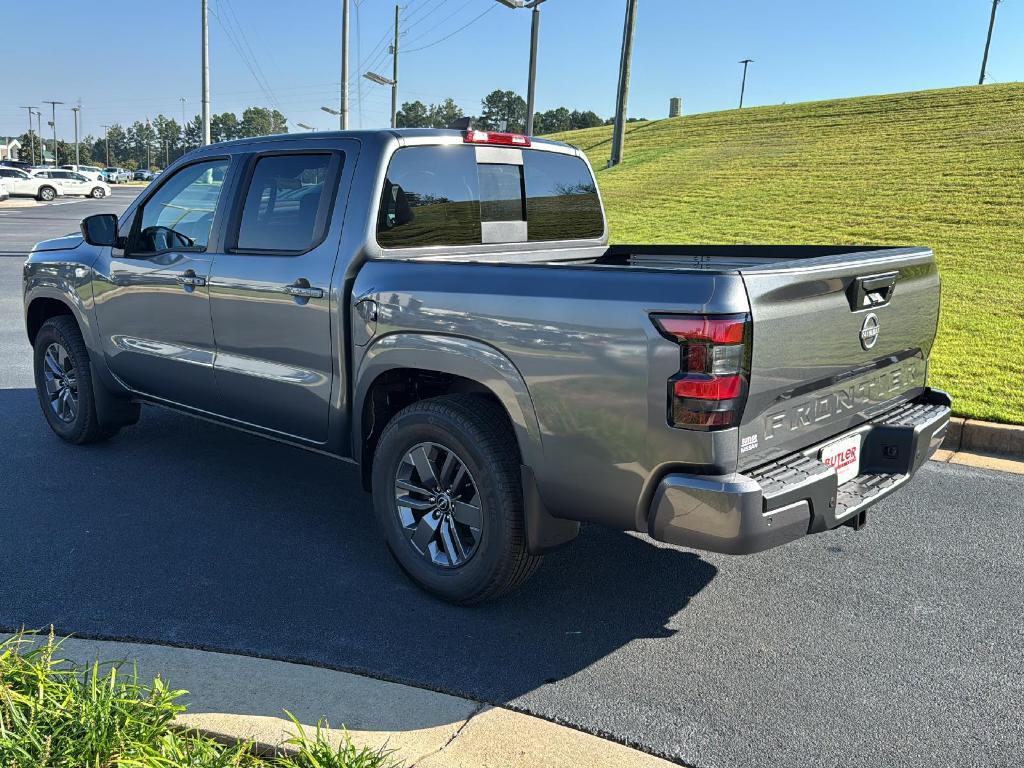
(984, 437)
(232, 698)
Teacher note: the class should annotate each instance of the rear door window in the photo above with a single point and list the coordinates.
(286, 204)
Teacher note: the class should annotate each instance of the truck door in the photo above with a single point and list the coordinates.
(154, 310)
(270, 293)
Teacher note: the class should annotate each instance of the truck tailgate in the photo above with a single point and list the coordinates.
(836, 341)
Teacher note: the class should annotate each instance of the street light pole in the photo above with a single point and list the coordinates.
(106, 140)
(988, 42)
(625, 67)
(31, 143)
(343, 118)
(531, 88)
(743, 84)
(53, 124)
(206, 74)
(76, 110)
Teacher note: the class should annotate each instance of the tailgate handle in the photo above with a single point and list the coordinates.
(872, 290)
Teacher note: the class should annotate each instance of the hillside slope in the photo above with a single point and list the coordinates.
(938, 168)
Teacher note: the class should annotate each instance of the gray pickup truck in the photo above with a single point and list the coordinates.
(443, 309)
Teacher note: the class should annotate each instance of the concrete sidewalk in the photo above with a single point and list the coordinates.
(243, 698)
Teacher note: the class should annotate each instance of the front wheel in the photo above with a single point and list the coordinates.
(46, 194)
(64, 383)
(98, 192)
(448, 497)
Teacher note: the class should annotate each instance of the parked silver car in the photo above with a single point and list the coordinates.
(114, 175)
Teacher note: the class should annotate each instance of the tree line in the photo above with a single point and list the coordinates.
(499, 110)
(157, 142)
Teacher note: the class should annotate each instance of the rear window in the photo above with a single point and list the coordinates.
(437, 196)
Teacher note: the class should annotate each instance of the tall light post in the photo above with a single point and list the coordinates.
(343, 114)
(306, 127)
(330, 111)
(373, 77)
(743, 84)
(531, 89)
(39, 134)
(76, 110)
(31, 142)
(988, 42)
(106, 140)
(206, 74)
(53, 124)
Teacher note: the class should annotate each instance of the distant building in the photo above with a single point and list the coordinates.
(675, 106)
(10, 149)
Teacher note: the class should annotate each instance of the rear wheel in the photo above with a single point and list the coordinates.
(64, 383)
(46, 194)
(448, 497)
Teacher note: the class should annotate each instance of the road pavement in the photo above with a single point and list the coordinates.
(900, 645)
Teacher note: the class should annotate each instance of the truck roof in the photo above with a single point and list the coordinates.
(410, 135)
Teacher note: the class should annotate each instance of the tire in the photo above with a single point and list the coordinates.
(59, 341)
(477, 433)
(98, 193)
(46, 194)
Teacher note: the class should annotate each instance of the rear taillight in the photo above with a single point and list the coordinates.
(714, 360)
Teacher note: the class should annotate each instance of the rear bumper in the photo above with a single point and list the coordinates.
(797, 494)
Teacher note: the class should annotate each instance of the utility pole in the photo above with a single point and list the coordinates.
(206, 73)
(76, 110)
(531, 88)
(988, 42)
(622, 102)
(343, 118)
(394, 75)
(53, 124)
(31, 143)
(743, 84)
(106, 140)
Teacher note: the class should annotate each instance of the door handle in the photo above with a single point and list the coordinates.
(189, 279)
(302, 290)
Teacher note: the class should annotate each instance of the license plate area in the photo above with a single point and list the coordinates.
(843, 455)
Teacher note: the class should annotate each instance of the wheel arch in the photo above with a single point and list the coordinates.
(417, 366)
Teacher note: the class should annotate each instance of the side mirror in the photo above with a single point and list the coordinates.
(100, 229)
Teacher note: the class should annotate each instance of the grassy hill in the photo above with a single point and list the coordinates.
(942, 168)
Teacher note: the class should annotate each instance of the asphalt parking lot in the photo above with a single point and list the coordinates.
(900, 645)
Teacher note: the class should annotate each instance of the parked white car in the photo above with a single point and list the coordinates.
(91, 172)
(18, 182)
(114, 175)
(72, 183)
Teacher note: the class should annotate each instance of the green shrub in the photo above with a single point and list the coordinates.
(56, 714)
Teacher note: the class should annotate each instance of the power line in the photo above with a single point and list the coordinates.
(451, 15)
(453, 34)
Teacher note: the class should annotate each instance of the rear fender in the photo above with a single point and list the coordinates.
(485, 365)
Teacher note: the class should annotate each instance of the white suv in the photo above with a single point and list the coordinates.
(90, 172)
(20, 183)
(71, 183)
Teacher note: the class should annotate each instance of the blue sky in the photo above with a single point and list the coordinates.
(802, 50)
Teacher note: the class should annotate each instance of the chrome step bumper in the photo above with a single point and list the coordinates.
(796, 495)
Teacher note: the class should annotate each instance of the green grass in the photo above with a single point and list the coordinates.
(54, 714)
(944, 169)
